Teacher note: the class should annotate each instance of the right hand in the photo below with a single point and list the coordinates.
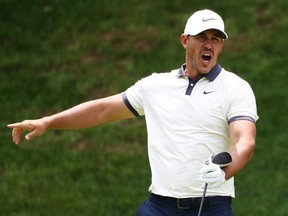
(35, 127)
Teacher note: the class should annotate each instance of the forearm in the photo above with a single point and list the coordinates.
(241, 153)
(84, 115)
(89, 114)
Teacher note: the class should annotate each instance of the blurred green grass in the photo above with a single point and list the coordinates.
(55, 54)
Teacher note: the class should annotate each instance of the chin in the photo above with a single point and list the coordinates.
(207, 68)
(205, 71)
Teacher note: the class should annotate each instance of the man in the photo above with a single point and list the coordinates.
(191, 113)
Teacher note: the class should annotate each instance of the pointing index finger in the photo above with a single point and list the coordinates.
(13, 125)
(22, 125)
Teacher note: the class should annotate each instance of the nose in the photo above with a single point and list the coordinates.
(208, 44)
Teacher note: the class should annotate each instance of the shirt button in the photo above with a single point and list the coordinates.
(191, 84)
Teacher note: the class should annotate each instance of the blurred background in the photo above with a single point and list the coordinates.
(58, 53)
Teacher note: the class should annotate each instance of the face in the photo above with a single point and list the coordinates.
(202, 52)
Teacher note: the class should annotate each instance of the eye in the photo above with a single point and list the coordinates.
(216, 38)
(201, 37)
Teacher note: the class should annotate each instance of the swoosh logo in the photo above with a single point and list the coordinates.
(207, 19)
(208, 92)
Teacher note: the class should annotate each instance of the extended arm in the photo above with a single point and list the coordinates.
(85, 115)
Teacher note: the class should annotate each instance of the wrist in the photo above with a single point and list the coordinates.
(46, 122)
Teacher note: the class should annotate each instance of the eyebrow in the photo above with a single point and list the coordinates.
(214, 33)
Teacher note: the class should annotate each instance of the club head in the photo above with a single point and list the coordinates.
(222, 159)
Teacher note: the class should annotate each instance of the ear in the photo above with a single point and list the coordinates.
(222, 45)
(184, 40)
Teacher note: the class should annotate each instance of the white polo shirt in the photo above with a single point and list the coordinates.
(187, 122)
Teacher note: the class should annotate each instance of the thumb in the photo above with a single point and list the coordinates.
(29, 136)
(33, 133)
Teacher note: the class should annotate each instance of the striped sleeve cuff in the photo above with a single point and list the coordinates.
(127, 103)
(236, 118)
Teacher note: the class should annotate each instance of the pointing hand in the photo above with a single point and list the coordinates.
(35, 128)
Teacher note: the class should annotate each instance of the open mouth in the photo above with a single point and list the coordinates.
(206, 57)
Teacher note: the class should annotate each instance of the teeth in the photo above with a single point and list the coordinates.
(206, 57)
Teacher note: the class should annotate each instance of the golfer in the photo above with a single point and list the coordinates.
(191, 113)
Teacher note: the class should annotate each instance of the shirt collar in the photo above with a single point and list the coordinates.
(210, 76)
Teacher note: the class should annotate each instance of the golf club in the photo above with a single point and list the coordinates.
(222, 159)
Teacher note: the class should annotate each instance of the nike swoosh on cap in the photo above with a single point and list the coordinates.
(207, 19)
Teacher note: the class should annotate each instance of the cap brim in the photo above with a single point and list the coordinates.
(222, 33)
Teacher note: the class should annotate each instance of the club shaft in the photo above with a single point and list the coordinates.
(202, 200)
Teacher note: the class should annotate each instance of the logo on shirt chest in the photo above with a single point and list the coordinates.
(207, 92)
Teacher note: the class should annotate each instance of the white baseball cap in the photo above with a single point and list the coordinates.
(203, 20)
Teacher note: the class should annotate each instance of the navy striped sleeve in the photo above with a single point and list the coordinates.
(127, 103)
(236, 118)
